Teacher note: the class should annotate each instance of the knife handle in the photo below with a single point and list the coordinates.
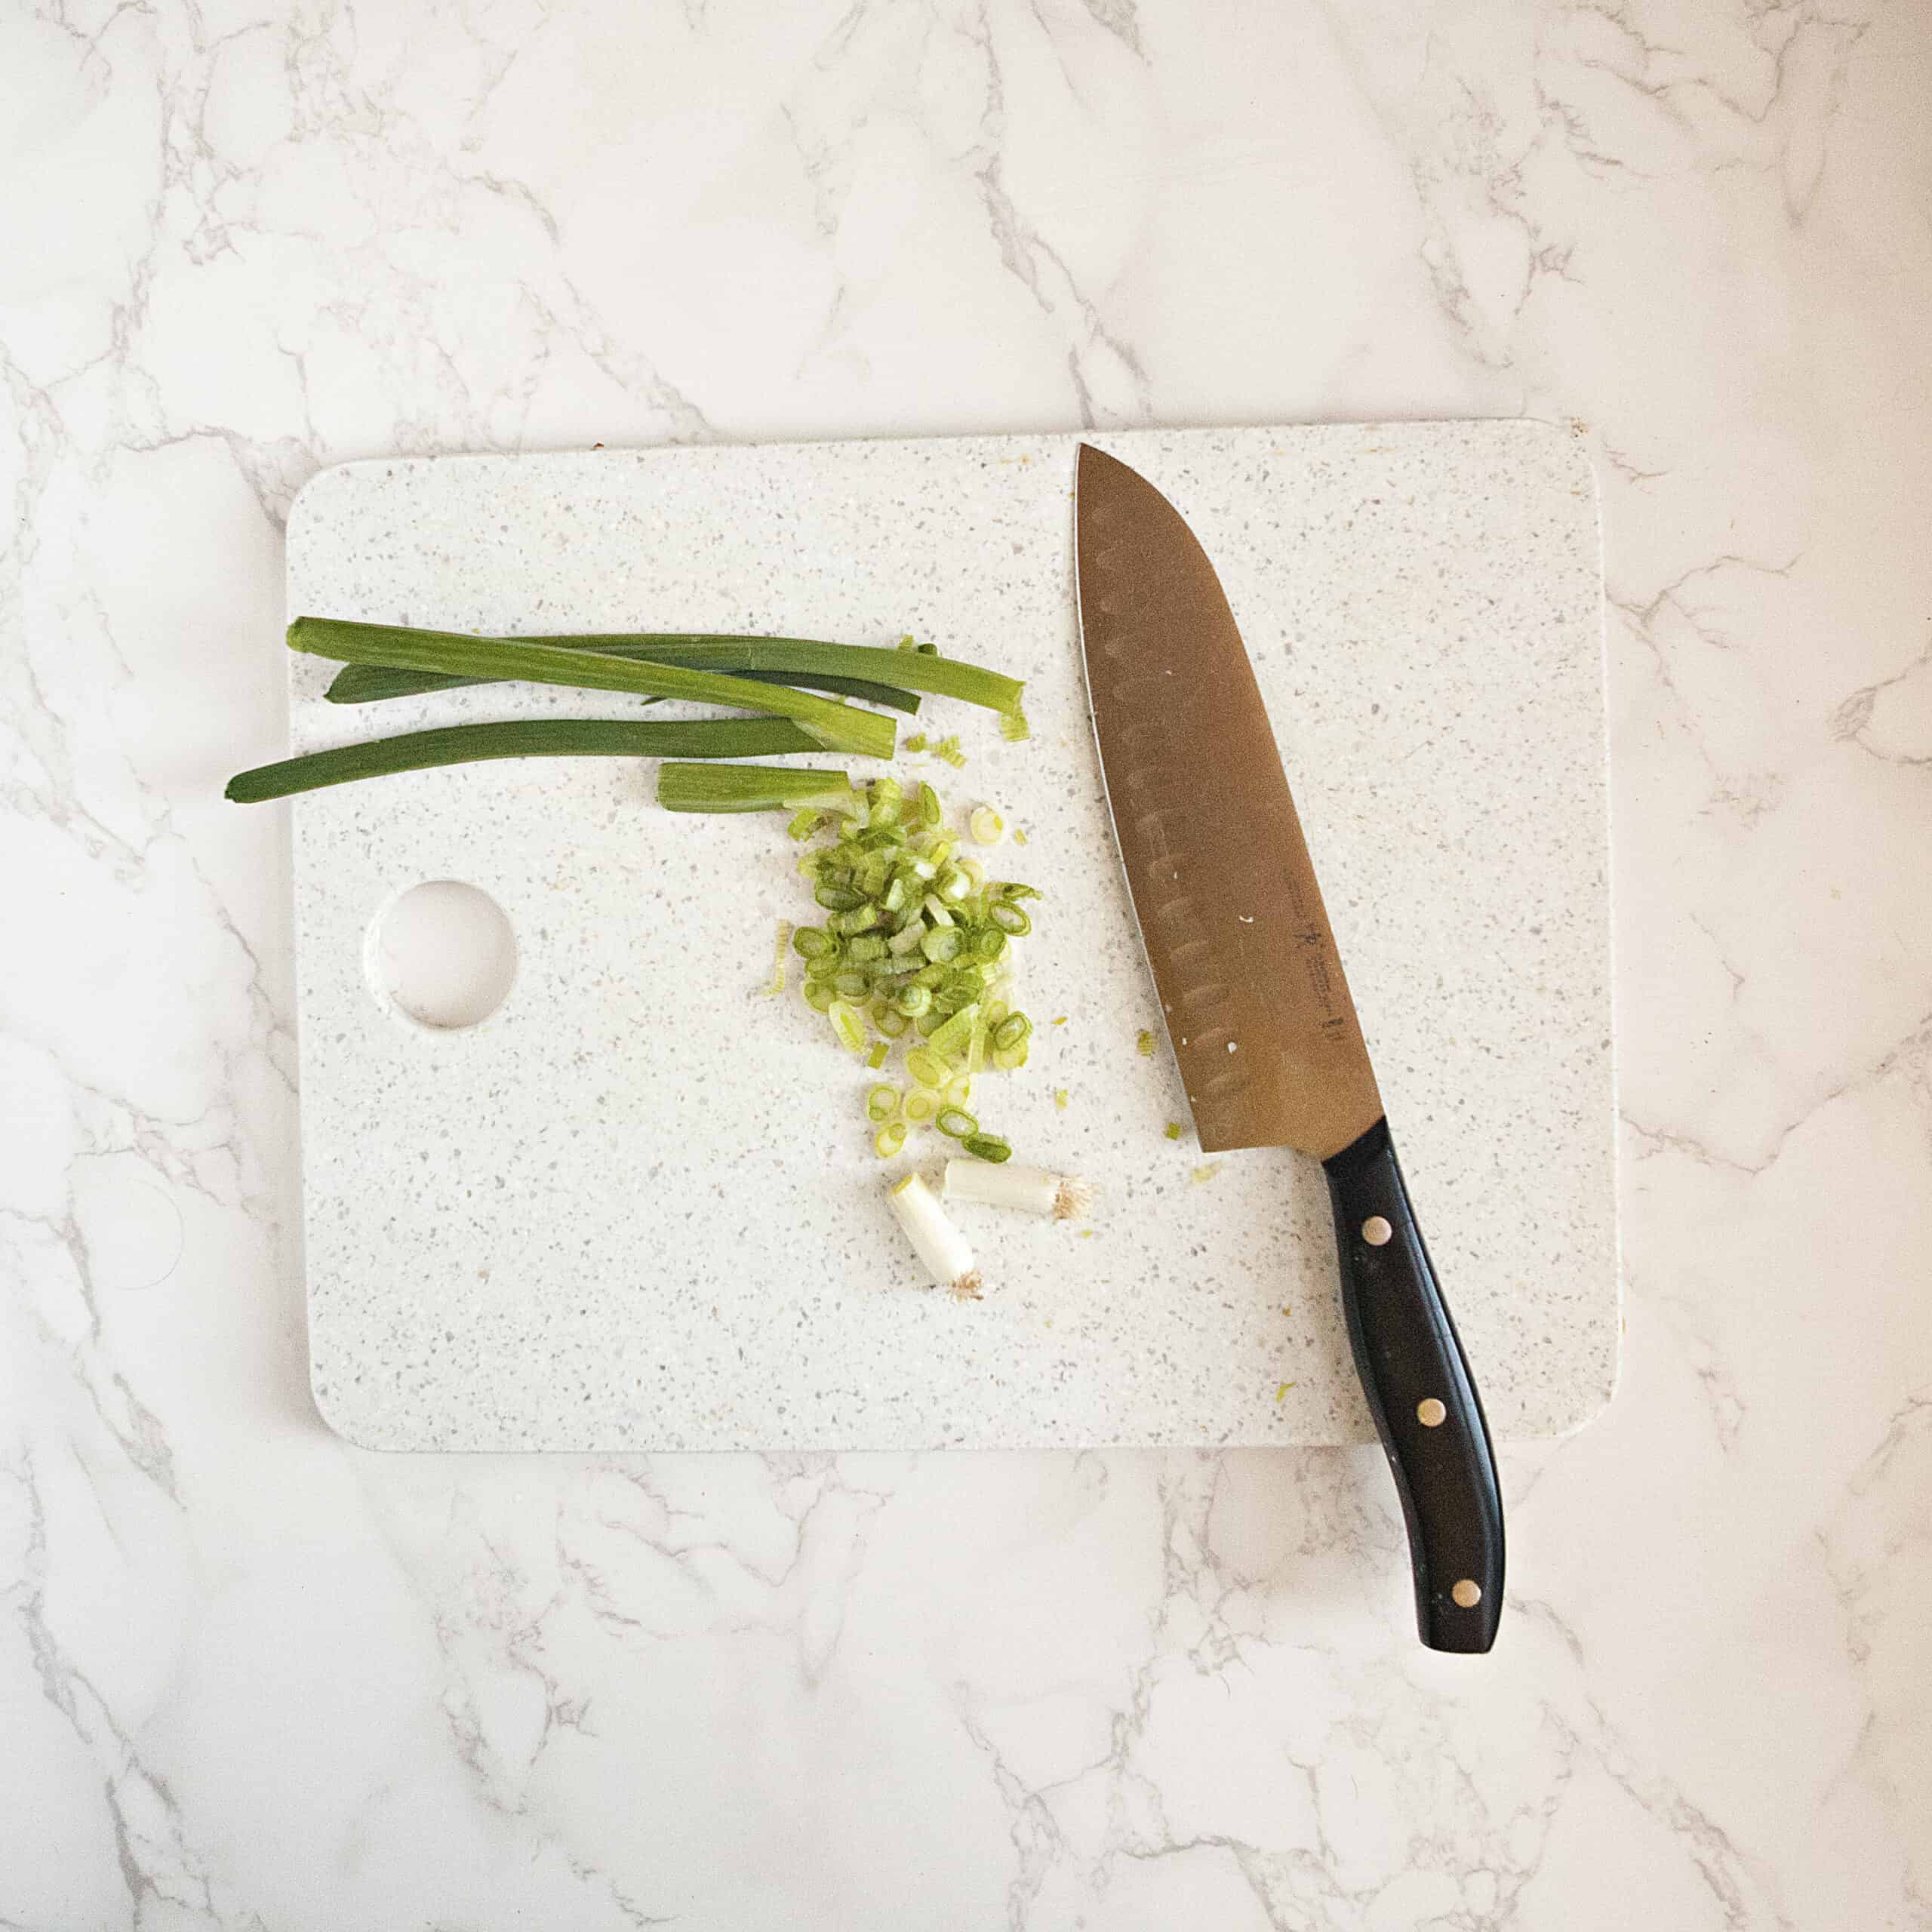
(1422, 1397)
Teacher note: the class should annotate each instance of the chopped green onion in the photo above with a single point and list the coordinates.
(957, 1032)
(813, 943)
(948, 748)
(957, 1091)
(1060, 1098)
(921, 1105)
(987, 1147)
(804, 824)
(526, 737)
(882, 1104)
(852, 985)
(876, 1058)
(1174, 1129)
(1011, 1031)
(989, 943)
(889, 1140)
(930, 811)
(986, 825)
(916, 742)
(956, 1123)
(940, 946)
(1144, 1044)
(1014, 727)
(888, 1018)
(820, 995)
(457, 652)
(859, 919)
(868, 946)
(1010, 1060)
(1011, 919)
(928, 1066)
(847, 1021)
(912, 1001)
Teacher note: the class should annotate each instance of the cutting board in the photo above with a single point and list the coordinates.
(637, 1208)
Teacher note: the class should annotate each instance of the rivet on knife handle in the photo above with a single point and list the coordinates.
(1422, 1397)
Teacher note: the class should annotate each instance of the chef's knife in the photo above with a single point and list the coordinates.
(1271, 1053)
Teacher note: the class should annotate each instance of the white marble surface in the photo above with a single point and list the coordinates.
(638, 1207)
(249, 1677)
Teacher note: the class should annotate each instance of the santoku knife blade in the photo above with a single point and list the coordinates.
(1257, 1006)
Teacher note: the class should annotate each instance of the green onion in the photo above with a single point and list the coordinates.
(887, 1141)
(747, 788)
(921, 1105)
(928, 1066)
(531, 737)
(1174, 1129)
(948, 748)
(889, 1019)
(957, 1091)
(1011, 919)
(819, 996)
(876, 1058)
(1011, 1031)
(837, 726)
(956, 1123)
(848, 1022)
(987, 1147)
(912, 1001)
(940, 946)
(951, 1038)
(813, 943)
(986, 825)
(1010, 1060)
(882, 1104)
(408, 648)
(372, 684)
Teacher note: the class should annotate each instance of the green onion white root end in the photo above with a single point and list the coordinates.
(940, 1246)
(1029, 1190)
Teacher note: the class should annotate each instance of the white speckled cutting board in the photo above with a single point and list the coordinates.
(637, 1208)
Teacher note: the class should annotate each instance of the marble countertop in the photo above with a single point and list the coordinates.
(250, 1677)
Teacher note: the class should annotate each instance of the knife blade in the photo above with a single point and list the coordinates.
(1256, 1004)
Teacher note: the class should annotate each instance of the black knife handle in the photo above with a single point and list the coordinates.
(1422, 1397)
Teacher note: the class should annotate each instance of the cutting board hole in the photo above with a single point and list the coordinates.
(443, 954)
